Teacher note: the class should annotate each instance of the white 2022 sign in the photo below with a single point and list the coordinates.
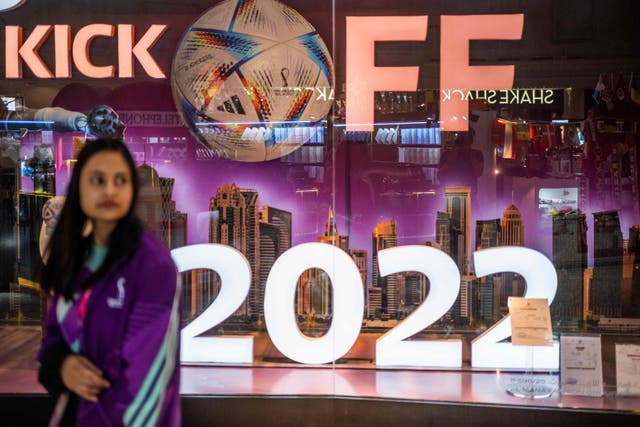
(392, 348)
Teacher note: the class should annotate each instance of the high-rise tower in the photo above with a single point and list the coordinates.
(331, 235)
(275, 239)
(511, 284)
(634, 251)
(606, 287)
(570, 261)
(512, 228)
(237, 225)
(458, 201)
(488, 235)
(385, 236)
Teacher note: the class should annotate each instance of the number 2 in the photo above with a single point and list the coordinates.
(235, 276)
(444, 279)
(541, 282)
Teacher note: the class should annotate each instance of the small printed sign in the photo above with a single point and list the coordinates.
(530, 321)
(581, 365)
(628, 369)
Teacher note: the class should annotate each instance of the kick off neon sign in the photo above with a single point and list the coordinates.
(363, 78)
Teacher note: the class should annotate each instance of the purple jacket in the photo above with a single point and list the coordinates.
(130, 332)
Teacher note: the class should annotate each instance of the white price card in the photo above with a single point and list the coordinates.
(628, 369)
(530, 321)
(581, 365)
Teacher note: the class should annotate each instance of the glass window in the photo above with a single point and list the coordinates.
(406, 137)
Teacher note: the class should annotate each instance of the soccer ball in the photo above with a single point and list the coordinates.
(252, 79)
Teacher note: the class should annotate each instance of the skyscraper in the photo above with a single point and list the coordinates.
(446, 237)
(512, 284)
(178, 229)
(252, 251)
(385, 236)
(232, 210)
(512, 228)
(275, 239)
(458, 200)
(634, 251)
(200, 286)
(463, 307)
(359, 256)
(415, 288)
(570, 261)
(237, 225)
(331, 235)
(149, 205)
(453, 234)
(281, 219)
(606, 287)
(269, 252)
(374, 302)
(488, 235)
(157, 210)
(320, 291)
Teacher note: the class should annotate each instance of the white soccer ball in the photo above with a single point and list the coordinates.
(252, 79)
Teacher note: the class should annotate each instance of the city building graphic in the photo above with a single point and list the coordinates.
(385, 236)
(512, 284)
(570, 261)
(606, 286)
(263, 233)
(458, 207)
(488, 288)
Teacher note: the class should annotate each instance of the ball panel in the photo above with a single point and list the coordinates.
(269, 19)
(218, 17)
(318, 52)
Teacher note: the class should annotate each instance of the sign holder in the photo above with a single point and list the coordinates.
(531, 327)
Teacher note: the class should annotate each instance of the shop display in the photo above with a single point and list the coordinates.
(335, 192)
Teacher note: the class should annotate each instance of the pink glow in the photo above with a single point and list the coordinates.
(82, 47)
(126, 50)
(15, 49)
(363, 77)
(62, 36)
(455, 71)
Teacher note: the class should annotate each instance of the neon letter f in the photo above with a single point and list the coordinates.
(455, 71)
(363, 77)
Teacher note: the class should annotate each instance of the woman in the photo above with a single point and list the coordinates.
(110, 349)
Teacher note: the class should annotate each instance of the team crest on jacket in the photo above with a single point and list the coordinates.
(118, 302)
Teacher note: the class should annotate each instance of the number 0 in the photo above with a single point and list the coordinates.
(348, 303)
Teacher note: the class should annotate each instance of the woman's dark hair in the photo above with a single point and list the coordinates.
(68, 248)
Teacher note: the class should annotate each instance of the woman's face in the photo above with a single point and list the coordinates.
(106, 187)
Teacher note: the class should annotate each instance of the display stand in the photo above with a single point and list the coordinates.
(527, 388)
(530, 327)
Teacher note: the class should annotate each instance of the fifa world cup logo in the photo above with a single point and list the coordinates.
(284, 72)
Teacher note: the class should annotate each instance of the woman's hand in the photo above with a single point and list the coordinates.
(82, 377)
